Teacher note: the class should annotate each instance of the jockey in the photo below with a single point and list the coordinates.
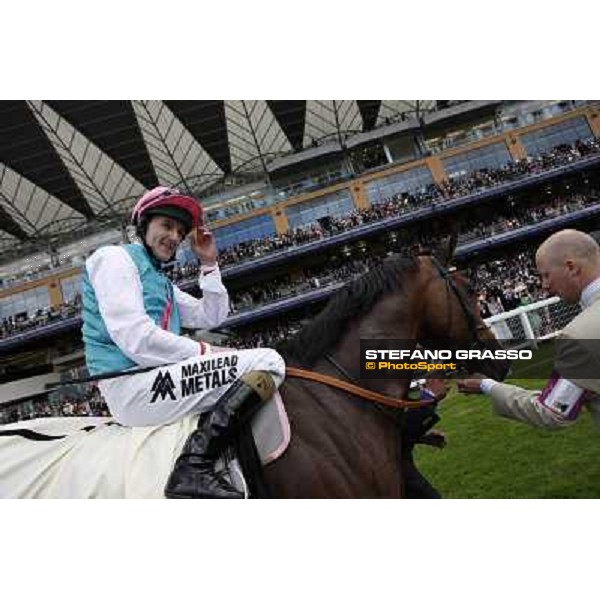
(132, 317)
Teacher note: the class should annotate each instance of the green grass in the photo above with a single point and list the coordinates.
(491, 457)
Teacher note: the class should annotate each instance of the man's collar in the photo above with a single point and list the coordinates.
(590, 293)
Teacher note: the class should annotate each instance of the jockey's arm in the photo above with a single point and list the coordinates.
(118, 289)
(210, 310)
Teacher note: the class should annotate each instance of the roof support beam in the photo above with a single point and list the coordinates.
(25, 148)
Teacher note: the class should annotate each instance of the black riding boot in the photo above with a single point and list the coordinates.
(194, 474)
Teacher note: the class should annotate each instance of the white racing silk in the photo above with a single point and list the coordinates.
(110, 460)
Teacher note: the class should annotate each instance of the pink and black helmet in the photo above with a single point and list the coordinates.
(171, 203)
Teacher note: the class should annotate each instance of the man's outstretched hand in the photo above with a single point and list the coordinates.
(469, 386)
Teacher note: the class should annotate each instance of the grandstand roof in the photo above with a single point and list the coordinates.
(65, 164)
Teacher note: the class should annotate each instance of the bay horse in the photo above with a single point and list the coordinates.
(341, 445)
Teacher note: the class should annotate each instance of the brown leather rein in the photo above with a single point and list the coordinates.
(356, 390)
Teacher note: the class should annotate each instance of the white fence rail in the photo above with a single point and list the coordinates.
(526, 325)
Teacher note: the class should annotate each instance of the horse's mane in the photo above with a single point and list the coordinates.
(354, 299)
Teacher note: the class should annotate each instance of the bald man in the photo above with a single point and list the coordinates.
(569, 266)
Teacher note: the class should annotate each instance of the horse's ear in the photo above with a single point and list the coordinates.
(444, 250)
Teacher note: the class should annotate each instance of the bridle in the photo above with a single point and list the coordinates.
(474, 326)
(351, 384)
(353, 388)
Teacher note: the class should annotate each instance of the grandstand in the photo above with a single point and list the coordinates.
(302, 197)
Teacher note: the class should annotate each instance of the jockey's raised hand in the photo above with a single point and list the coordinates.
(203, 244)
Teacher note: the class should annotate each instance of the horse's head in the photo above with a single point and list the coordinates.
(451, 316)
(406, 299)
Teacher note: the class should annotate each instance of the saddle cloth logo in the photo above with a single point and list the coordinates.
(163, 385)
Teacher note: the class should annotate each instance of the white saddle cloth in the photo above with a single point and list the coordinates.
(111, 461)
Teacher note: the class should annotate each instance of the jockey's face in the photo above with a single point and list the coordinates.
(163, 236)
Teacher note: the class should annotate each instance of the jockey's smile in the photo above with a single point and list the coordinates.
(164, 236)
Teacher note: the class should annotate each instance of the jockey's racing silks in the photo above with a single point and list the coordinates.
(126, 317)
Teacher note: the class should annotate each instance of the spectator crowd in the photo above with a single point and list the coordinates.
(513, 216)
(396, 204)
(400, 203)
(76, 401)
(313, 278)
(502, 284)
(14, 325)
(509, 216)
(475, 181)
(507, 283)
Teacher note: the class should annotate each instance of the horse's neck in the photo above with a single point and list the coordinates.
(396, 387)
(346, 354)
(342, 445)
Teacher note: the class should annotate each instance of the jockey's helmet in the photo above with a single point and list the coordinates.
(167, 202)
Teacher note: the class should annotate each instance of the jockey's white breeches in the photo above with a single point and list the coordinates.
(166, 394)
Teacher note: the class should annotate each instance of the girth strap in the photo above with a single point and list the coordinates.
(356, 390)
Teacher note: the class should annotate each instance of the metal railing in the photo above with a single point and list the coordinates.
(526, 325)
